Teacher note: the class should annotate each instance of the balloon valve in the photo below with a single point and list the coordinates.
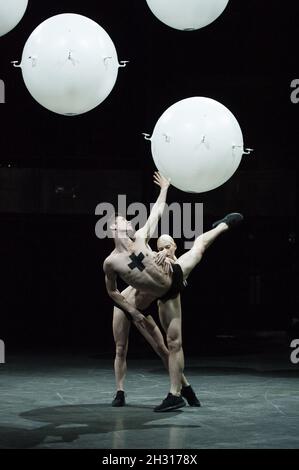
(167, 138)
(146, 136)
(123, 63)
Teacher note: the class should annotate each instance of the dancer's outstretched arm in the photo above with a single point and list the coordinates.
(149, 228)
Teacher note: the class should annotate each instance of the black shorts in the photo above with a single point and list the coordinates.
(177, 285)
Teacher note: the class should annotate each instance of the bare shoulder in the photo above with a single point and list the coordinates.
(108, 264)
(140, 234)
(140, 239)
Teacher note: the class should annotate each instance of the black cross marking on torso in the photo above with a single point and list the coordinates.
(137, 262)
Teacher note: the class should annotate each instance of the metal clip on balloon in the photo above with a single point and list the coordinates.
(122, 63)
(246, 151)
(69, 64)
(166, 137)
(198, 144)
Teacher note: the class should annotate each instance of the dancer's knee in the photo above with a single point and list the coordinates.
(200, 245)
(121, 351)
(174, 344)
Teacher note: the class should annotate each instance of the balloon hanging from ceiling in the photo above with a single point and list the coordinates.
(11, 13)
(198, 144)
(69, 64)
(187, 15)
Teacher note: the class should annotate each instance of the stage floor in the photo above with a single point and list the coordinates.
(64, 402)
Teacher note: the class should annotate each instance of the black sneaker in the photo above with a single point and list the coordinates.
(189, 395)
(170, 403)
(230, 219)
(119, 399)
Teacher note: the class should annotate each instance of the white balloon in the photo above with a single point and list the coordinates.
(11, 13)
(69, 64)
(198, 144)
(187, 15)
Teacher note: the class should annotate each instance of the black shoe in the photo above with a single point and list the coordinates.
(170, 403)
(231, 220)
(189, 395)
(119, 399)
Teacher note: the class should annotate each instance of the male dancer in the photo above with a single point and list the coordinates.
(134, 262)
(170, 320)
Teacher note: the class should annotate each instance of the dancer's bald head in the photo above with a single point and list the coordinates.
(166, 242)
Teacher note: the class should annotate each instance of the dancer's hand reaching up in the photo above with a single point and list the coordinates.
(161, 181)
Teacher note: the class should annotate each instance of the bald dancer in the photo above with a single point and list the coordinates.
(122, 323)
(135, 263)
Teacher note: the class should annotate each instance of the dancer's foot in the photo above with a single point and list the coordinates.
(170, 403)
(119, 399)
(231, 220)
(189, 395)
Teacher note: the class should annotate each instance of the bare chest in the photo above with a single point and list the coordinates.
(133, 264)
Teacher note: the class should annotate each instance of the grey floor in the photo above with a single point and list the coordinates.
(62, 402)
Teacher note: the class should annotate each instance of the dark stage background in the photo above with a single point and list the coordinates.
(54, 170)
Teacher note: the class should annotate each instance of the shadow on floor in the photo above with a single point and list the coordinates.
(68, 423)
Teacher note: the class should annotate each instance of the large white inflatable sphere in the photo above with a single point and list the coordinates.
(198, 144)
(69, 64)
(187, 15)
(11, 13)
